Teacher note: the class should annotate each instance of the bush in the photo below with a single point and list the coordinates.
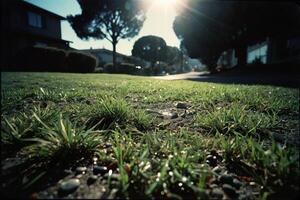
(81, 62)
(121, 68)
(49, 59)
(40, 59)
(109, 68)
(127, 68)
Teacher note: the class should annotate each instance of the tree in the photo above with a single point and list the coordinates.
(108, 19)
(207, 28)
(150, 48)
(201, 32)
(172, 55)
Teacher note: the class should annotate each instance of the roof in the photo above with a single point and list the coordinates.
(103, 51)
(36, 8)
(109, 52)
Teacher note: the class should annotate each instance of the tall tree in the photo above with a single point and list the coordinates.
(173, 55)
(108, 19)
(209, 27)
(150, 48)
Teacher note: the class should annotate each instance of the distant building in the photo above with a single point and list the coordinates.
(106, 56)
(268, 51)
(24, 24)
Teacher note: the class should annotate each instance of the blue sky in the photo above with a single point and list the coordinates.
(159, 22)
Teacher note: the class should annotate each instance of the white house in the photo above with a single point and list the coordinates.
(106, 56)
(268, 51)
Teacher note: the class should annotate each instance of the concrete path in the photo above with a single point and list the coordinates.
(189, 75)
(233, 77)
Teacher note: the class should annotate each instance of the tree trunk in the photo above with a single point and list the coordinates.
(152, 67)
(181, 62)
(241, 52)
(114, 55)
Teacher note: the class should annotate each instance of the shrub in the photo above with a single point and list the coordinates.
(40, 59)
(81, 62)
(109, 68)
(127, 68)
(121, 68)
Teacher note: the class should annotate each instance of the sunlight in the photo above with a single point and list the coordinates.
(159, 21)
(166, 2)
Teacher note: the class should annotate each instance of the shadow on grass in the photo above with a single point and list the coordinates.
(255, 75)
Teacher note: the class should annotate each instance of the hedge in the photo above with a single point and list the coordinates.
(40, 59)
(81, 62)
(122, 68)
(48, 59)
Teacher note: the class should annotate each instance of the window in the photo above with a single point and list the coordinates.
(258, 54)
(34, 19)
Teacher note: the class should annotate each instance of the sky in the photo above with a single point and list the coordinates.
(159, 22)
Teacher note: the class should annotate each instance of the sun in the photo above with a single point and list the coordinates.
(166, 2)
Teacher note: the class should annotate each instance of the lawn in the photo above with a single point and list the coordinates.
(109, 136)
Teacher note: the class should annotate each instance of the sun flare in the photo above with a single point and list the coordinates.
(166, 2)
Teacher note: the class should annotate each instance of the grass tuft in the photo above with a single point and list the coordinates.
(64, 142)
(236, 119)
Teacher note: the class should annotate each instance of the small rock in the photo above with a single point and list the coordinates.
(169, 115)
(81, 170)
(92, 179)
(112, 176)
(225, 178)
(213, 185)
(69, 186)
(236, 183)
(107, 145)
(217, 169)
(181, 105)
(211, 160)
(252, 183)
(99, 170)
(217, 193)
(174, 115)
(229, 190)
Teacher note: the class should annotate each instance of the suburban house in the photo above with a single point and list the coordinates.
(106, 56)
(23, 25)
(268, 51)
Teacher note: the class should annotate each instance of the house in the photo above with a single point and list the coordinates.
(106, 56)
(24, 24)
(267, 51)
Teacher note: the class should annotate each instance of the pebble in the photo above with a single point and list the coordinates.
(229, 190)
(92, 179)
(225, 178)
(81, 170)
(169, 115)
(217, 169)
(236, 183)
(174, 115)
(211, 160)
(217, 193)
(252, 183)
(69, 186)
(181, 105)
(99, 170)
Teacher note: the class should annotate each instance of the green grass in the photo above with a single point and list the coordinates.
(47, 117)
